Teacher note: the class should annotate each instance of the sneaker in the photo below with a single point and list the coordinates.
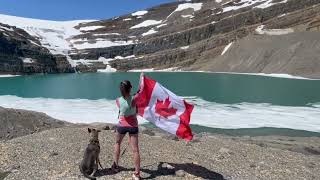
(136, 176)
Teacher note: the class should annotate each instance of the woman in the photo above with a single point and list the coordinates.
(128, 123)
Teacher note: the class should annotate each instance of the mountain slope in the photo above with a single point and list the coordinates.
(295, 53)
(22, 53)
(186, 35)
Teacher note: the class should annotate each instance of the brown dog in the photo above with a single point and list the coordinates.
(90, 162)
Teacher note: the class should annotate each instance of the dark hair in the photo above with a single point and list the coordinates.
(125, 87)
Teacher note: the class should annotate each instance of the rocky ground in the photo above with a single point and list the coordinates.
(56, 154)
(40, 147)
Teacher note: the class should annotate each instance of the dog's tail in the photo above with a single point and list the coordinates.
(86, 175)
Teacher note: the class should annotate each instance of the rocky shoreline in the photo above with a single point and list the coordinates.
(55, 153)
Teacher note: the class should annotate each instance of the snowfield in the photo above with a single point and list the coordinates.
(52, 34)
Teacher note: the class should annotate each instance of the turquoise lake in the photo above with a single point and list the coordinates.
(231, 102)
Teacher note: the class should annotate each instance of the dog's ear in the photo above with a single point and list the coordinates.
(89, 130)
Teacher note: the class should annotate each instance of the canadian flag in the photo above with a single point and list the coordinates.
(163, 108)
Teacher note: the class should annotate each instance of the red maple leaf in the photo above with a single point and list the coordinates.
(162, 108)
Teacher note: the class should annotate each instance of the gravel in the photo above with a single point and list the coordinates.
(57, 153)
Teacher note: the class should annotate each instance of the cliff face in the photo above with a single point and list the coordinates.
(186, 35)
(22, 53)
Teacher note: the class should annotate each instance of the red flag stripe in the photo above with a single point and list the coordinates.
(145, 94)
(184, 131)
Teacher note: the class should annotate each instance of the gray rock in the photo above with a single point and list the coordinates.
(106, 128)
(180, 173)
(54, 154)
(224, 150)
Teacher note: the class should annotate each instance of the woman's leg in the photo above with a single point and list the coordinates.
(119, 138)
(134, 142)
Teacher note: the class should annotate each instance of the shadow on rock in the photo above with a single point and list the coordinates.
(170, 169)
(190, 168)
(105, 172)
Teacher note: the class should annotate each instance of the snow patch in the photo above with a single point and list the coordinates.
(106, 34)
(108, 67)
(172, 69)
(101, 43)
(151, 31)
(184, 47)
(226, 48)
(126, 57)
(90, 28)
(181, 7)
(287, 76)
(161, 25)
(194, 6)
(90, 61)
(261, 30)
(2, 28)
(270, 3)
(107, 70)
(282, 15)
(146, 24)
(187, 16)
(7, 75)
(127, 19)
(140, 57)
(27, 60)
(247, 3)
(32, 42)
(139, 13)
(71, 62)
